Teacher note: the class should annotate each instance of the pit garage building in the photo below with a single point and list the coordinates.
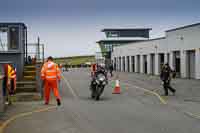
(180, 48)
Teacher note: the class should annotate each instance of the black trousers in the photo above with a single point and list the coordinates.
(167, 87)
(12, 87)
(111, 73)
(5, 79)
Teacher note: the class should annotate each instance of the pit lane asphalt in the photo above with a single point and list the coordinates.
(133, 111)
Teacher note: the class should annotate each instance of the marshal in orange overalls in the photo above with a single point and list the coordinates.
(50, 74)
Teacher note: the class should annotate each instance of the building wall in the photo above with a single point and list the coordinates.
(181, 41)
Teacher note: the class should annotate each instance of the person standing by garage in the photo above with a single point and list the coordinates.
(165, 77)
(111, 69)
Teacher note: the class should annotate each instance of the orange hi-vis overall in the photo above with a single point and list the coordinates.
(50, 74)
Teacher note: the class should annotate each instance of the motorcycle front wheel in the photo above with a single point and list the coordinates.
(99, 91)
(92, 94)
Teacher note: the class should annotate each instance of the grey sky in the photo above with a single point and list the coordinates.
(71, 27)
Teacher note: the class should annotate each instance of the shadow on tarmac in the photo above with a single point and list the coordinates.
(90, 99)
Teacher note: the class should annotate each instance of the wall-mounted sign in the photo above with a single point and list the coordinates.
(113, 34)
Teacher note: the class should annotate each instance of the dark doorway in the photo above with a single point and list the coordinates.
(177, 62)
(120, 66)
(152, 64)
(168, 58)
(128, 63)
(145, 63)
(190, 64)
(133, 63)
(114, 64)
(124, 63)
(138, 63)
(161, 60)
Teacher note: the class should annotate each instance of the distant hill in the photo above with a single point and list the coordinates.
(75, 60)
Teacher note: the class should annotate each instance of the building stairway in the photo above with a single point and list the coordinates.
(27, 87)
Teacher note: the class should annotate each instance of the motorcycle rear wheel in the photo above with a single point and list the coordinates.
(99, 91)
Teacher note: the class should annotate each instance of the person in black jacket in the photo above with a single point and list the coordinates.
(111, 69)
(165, 77)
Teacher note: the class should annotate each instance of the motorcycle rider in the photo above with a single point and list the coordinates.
(100, 70)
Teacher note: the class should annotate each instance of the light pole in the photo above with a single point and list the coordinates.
(38, 43)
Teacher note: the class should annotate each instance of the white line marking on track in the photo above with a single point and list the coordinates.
(69, 86)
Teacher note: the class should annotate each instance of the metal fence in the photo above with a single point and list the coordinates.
(35, 53)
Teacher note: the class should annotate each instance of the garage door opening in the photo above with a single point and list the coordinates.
(138, 63)
(120, 64)
(133, 63)
(114, 65)
(152, 64)
(145, 63)
(177, 62)
(161, 61)
(124, 63)
(168, 58)
(128, 63)
(190, 64)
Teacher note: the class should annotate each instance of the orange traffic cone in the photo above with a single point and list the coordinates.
(117, 89)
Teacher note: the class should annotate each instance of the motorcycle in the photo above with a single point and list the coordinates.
(97, 86)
